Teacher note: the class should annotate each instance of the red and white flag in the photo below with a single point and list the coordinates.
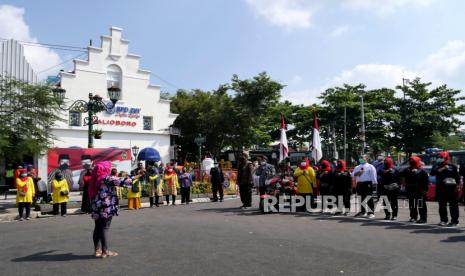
(317, 153)
(283, 148)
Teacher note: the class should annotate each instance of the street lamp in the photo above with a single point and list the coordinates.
(93, 106)
(135, 152)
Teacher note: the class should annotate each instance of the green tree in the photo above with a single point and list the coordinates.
(27, 113)
(425, 112)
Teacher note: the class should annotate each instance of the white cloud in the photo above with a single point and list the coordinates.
(340, 30)
(384, 8)
(296, 79)
(12, 25)
(289, 14)
(445, 66)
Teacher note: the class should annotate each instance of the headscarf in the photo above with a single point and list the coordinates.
(389, 162)
(21, 171)
(326, 164)
(343, 166)
(417, 162)
(99, 172)
(307, 164)
(167, 171)
(445, 155)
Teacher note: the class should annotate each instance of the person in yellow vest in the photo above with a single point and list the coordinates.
(24, 195)
(60, 190)
(134, 192)
(10, 176)
(306, 182)
(171, 185)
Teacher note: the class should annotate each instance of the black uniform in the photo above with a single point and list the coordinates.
(447, 181)
(342, 187)
(217, 179)
(416, 186)
(390, 188)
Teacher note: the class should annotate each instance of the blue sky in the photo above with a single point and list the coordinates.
(307, 45)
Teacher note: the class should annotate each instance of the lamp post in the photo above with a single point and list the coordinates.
(135, 152)
(364, 143)
(199, 140)
(93, 106)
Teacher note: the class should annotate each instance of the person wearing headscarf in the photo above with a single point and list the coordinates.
(135, 191)
(324, 176)
(342, 187)
(64, 168)
(84, 182)
(171, 185)
(447, 185)
(185, 180)
(153, 177)
(416, 185)
(105, 205)
(389, 187)
(306, 182)
(365, 176)
(25, 193)
(60, 193)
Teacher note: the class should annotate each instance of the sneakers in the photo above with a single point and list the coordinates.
(20, 219)
(442, 223)
(28, 218)
(365, 215)
(394, 218)
(387, 218)
(358, 214)
(371, 216)
(346, 214)
(412, 220)
(452, 224)
(421, 221)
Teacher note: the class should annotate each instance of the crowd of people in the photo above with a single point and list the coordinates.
(334, 179)
(103, 185)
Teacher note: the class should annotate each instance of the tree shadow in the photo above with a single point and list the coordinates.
(45, 256)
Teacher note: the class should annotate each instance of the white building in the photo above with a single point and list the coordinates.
(140, 118)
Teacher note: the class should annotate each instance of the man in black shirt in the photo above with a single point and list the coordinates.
(447, 183)
(217, 180)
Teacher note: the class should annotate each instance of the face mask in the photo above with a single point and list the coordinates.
(263, 162)
(303, 164)
(59, 176)
(23, 175)
(339, 166)
(362, 161)
(170, 170)
(440, 160)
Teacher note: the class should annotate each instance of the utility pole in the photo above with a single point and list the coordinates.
(364, 144)
(335, 153)
(345, 132)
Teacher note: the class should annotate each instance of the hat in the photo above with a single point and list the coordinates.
(85, 157)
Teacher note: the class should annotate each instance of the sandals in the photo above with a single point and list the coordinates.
(109, 254)
(98, 253)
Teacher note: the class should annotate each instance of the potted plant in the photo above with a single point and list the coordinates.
(97, 133)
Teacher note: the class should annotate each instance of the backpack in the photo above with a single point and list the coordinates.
(135, 187)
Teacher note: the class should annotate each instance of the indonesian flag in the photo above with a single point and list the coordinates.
(283, 148)
(317, 154)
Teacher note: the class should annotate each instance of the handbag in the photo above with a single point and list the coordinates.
(449, 181)
(391, 187)
(64, 193)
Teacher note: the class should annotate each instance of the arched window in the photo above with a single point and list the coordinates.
(114, 77)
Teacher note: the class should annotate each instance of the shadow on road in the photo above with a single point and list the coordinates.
(454, 239)
(47, 257)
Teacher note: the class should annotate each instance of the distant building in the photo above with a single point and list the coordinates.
(141, 118)
(13, 64)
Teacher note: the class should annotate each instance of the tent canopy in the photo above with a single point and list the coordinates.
(149, 154)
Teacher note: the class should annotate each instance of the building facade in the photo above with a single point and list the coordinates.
(140, 118)
(13, 64)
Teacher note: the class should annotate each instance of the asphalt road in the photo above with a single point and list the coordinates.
(221, 239)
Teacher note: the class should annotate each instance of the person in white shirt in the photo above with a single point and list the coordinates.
(365, 175)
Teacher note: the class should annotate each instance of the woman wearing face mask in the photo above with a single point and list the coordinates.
(25, 193)
(342, 189)
(390, 187)
(306, 182)
(366, 176)
(171, 185)
(325, 178)
(416, 185)
(447, 185)
(60, 192)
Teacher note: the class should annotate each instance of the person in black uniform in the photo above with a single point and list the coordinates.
(416, 185)
(325, 177)
(390, 187)
(342, 187)
(447, 184)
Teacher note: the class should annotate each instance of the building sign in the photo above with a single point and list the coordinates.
(117, 123)
(124, 111)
